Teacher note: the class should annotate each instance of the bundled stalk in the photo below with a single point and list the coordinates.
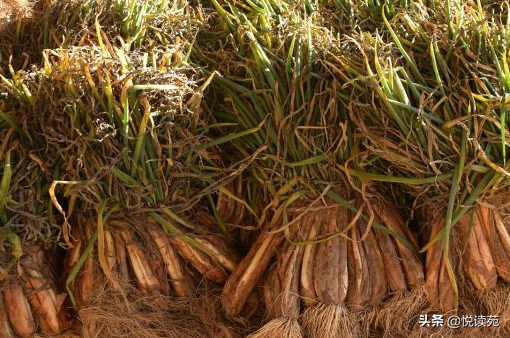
(230, 207)
(139, 251)
(126, 134)
(132, 136)
(334, 261)
(312, 102)
(441, 105)
(30, 302)
(333, 268)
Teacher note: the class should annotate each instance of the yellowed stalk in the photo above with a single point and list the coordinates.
(110, 251)
(330, 263)
(439, 289)
(247, 275)
(19, 312)
(200, 261)
(73, 255)
(504, 244)
(5, 328)
(394, 272)
(43, 300)
(85, 282)
(121, 257)
(307, 288)
(272, 291)
(141, 266)
(359, 292)
(290, 264)
(226, 207)
(219, 251)
(501, 257)
(477, 262)
(181, 282)
(411, 265)
(377, 274)
(433, 268)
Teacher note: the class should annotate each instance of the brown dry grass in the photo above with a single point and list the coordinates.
(10, 9)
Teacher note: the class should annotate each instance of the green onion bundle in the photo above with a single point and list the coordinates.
(337, 254)
(427, 79)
